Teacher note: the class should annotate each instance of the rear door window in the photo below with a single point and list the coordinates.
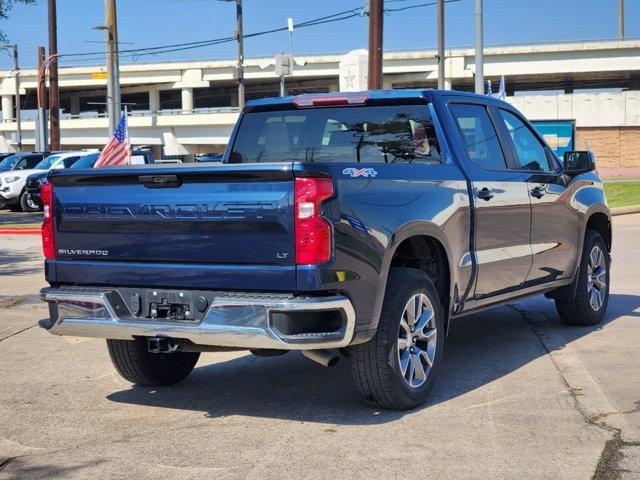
(479, 135)
(368, 134)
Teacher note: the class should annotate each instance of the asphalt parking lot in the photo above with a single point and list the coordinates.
(520, 396)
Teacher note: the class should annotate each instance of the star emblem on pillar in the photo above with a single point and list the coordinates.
(348, 79)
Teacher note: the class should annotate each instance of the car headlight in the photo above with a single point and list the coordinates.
(11, 179)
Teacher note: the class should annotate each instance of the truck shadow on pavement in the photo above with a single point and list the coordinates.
(19, 218)
(480, 349)
(18, 263)
(28, 470)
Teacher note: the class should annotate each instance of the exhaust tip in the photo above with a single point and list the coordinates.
(333, 361)
(327, 358)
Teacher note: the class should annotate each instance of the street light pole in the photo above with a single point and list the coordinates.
(240, 66)
(41, 136)
(441, 44)
(479, 49)
(16, 68)
(620, 19)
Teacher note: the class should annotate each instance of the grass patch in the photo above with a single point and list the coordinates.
(622, 194)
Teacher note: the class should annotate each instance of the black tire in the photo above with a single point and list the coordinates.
(135, 364)
(24, 203)
(579, 311)
(375, 365)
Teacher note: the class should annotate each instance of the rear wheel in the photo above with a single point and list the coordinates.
(135, 364)
(592, 293)
(27, 203)
(398, 367)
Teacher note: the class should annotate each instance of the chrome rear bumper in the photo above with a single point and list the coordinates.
(232, 320)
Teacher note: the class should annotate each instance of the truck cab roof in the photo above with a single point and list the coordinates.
(362, 97)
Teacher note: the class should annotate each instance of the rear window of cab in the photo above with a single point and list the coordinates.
(360, 134)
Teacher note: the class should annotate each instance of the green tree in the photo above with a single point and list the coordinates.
(6, 6)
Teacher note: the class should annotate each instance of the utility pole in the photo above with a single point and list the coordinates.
(41, 128)
(376, 29)
(54, 105)
(441, 44)
(113, 65)
(239, 73)
(620, 19)
(479, 49)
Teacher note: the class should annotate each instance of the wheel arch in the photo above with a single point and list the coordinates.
(428, 238)
(600, 222)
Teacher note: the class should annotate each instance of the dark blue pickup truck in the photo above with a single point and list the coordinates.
(356, 225)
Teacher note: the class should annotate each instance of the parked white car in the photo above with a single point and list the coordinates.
(12, 182)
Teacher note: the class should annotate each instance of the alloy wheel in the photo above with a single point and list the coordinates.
(32, 205)
(417, 340)
(596, 278)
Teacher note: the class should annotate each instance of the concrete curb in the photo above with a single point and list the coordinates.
(625, 210)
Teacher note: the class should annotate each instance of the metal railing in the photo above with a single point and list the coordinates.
(30, 116)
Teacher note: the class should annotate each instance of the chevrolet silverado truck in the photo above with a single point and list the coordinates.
(355, 225)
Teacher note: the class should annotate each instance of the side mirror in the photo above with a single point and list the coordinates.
(576, 162)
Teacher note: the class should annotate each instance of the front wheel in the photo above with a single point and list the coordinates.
(398, 367)
(592, 292)
(135, 364)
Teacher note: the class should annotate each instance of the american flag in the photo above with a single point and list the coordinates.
(118, 151)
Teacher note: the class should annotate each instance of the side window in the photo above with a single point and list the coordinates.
(22, 164)
(480, 137)
(531, 154)
(32, 161)
(69, 161)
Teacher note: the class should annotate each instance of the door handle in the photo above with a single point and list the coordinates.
(485, 194)
(537, 192)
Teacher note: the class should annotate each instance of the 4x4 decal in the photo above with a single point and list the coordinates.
(360, 172)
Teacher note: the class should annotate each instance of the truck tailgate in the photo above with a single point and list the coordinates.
(198, 215)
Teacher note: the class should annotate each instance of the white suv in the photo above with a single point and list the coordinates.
(12, 182)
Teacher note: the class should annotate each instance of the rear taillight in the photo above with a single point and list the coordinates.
(312, 232)
(48, 247)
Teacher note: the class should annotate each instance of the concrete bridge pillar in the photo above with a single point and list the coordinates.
(154, 100)
(75, 105)
(187, 99)
(7, 107)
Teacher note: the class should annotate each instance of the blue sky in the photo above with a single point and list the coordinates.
(146, 23)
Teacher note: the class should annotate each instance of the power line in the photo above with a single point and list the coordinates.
(204, 43)
(409, 7)
(136, 53)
